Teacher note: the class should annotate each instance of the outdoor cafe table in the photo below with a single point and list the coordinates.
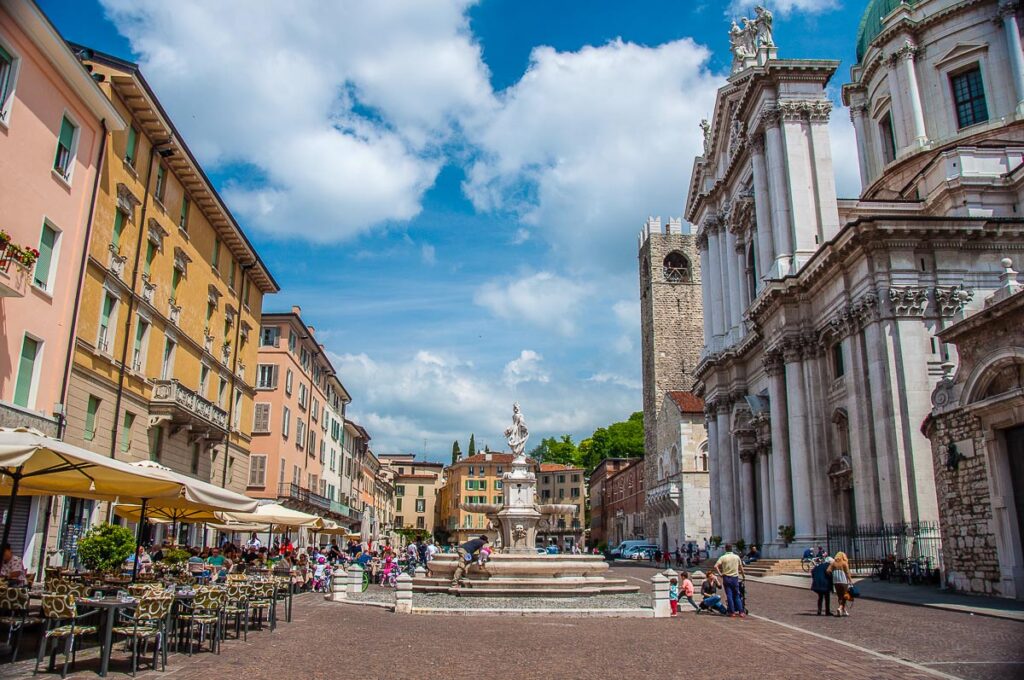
(110, 605)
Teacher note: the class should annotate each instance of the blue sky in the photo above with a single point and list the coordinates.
(452, 190)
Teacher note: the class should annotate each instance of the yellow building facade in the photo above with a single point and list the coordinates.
(474, 479)
(166, 350)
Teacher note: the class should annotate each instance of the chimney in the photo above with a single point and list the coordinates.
(312, 329)
(296, 310)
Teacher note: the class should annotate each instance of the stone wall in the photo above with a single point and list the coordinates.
(969, 553)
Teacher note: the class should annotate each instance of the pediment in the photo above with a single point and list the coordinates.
(960, 51)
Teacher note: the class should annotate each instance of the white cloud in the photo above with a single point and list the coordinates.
(627, 317)
(587, 143)
(336, 111)
(844, 153)
(428, 254)
(525, 368)
(622, 381)
(543, 299)
(521, 236)
(437, 397)
(783, 6)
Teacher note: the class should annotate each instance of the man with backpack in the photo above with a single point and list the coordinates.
(467, 552)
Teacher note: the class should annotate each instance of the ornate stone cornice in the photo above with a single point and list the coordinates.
(908, 51)
(126, 201)
(792, 348)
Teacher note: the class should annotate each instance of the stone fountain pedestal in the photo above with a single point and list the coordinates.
(518, 570)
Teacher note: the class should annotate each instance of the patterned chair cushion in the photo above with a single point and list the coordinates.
(59, 606)
(64, 631)
(199, 618)
(132, 631)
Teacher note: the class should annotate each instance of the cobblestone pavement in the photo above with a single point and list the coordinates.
(374, 643)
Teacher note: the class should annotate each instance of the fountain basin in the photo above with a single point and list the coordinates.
(524, 566)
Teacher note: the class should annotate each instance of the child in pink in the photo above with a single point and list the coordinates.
(688, 590)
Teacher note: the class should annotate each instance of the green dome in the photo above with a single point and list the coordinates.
(871, 22)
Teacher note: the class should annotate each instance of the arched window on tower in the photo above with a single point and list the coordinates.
(677, 268)
(704, 457)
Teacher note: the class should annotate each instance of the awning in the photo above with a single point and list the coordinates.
(275, 514)
(197, 495)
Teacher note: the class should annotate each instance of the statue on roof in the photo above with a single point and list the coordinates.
(754, 42)
(517, 435)
(705, 127)
(763, 22)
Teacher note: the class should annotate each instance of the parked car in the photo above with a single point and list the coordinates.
(553, 549)
(640, 552)
(621, 548)
(541, 551)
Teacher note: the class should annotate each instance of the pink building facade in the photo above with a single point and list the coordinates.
(53, 120)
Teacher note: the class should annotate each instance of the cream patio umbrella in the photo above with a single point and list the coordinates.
(199, 501)
(33, 464)
(274, 514)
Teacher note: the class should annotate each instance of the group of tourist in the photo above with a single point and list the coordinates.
(832, 574)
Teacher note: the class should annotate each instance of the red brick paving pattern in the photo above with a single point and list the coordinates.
(331, 640)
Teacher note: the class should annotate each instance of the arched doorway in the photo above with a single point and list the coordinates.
(664, 537)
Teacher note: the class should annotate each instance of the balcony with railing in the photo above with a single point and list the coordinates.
(182, 407)
(665, 497)
(14, 274)
(294, 492)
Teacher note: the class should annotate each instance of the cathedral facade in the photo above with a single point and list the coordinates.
(823, 315)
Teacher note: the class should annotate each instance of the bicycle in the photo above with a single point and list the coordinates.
(366, 582)
(809, 563)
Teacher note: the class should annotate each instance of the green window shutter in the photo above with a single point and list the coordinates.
(126, 431)
(67, 133)
(140, 332)
(47, 241)
(150, 254)
(90, 418)
(6, 69)
(216, 252)
(183, 218)
(156, 438)
(118, 228)
(133, 140)
(175, 280)
(108, 307)
(26, 371)
(5, 55)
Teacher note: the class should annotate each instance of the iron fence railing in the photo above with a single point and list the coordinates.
(869, 545)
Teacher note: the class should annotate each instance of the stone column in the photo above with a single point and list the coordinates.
(705, 294)
(714, 479)
(866, 150)
(782, 497)
(816, 374)
(1008, 13)
(768, 527)
(900, 132)
(726, 482)
(355, 579)
(749, 531)
(762, 211)
(730, 291)
(782, 233)
(890, 472)
(799, 444)
(906, 56)
(818, 113)
(716, 276)
(862, 442)
(800, 172)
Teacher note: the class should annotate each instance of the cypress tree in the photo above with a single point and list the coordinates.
(472, 445)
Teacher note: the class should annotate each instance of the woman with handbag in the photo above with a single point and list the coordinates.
(842, 580)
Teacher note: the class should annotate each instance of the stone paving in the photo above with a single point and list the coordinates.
(789, 642)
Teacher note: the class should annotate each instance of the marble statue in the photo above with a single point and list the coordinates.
(517, 435)
(740, 45)
(763, 23)
(705, 127)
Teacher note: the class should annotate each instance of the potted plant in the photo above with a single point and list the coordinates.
(5, 238)
(105, 547)
(741, 545)
(715, 541)
(29, 256)
(787, 533)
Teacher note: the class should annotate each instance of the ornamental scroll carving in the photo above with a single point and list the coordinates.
(908, 301)
(952, 300)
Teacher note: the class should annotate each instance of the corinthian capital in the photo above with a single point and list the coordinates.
(772, 362)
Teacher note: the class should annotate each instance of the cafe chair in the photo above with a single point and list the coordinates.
(238, 607)
(14, 613)
(56, 610)
(205, 612)
(148, 621)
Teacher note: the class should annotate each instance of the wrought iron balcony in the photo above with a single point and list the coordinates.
(295, 492)
(183, 407)
(14, 275)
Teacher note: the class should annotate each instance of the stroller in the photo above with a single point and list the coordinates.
(743, 595)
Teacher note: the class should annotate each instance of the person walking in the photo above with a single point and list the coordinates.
(821, 583)
(730, 567)
(839, 569)
(466, 554)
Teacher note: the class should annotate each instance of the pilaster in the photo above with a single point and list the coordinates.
(779, 194)
(799, 441)
(782, 498)
(762, 211)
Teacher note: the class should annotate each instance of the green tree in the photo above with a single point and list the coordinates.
(472, 445)
(624, 439)
(456, 451)
(551, 450)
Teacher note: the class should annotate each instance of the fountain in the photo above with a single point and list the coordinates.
(516, 568)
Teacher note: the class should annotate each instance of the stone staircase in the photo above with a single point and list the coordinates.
(771, 567)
